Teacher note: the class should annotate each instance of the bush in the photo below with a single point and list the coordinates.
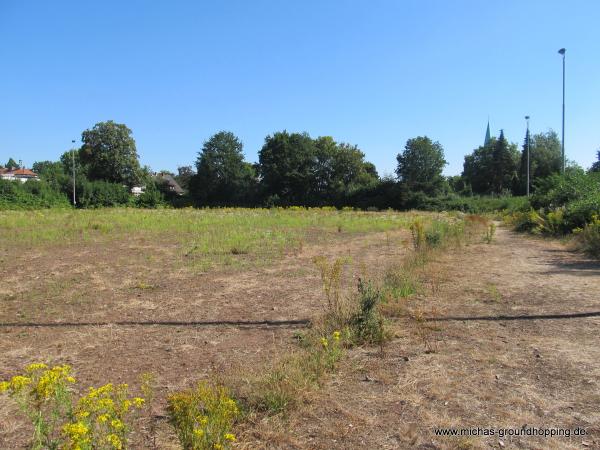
(589, 237)
(94, 194)
(367, 324)
(152, 197)
(30, 195)
(559, 190)
(203, 417)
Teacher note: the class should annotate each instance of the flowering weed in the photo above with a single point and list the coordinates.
(98, 420)
(203, 417)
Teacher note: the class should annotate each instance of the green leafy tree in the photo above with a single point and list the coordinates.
(458, 185)
(287, 164)
(109, 153)
(420, 166)
(223, 177)
(546, 154)
(545, 158)
(184, 175)
(478, 168)
(12, 164)
(340, 168)
(52, 172)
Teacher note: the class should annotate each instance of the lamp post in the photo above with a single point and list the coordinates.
(528, 153)
(562, 51)
(73, 157)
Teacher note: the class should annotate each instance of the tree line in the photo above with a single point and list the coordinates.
(295, 169)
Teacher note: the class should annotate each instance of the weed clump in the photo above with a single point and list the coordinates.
(99, 419)
(367, 324)
(589, 237)
(417, 230)
(203, 417)
(280, 388)
(489, 233)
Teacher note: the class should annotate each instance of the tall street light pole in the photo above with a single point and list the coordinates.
(73, 157)
(562, 51)
(528, 153)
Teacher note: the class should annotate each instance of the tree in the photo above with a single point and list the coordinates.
(184, 174)
(12, 164)
(505, 157)
(596, 166)
(478, 168)
(420, 166)
(287, 164)
(109, 153)
(223, 177)
(52, 172)
(339, 170)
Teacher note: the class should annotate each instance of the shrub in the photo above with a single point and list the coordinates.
(367, 324)
(589, 237)
(203, 417)
(417, 230)
(580, 212)
(30, 195)
(152, 197)
(94, 194)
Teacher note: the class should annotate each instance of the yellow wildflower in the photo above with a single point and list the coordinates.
(115, 441)
(4, 385)
(82, 414)
(229, 437)
(138, 402)
(336, 336)
(76, 430)
(35, 366)
(116, 424)
(203, 420)
(198, 432)
(19, 382)
(106, 403)
(103, 418)
(218, 447)
(324, 342)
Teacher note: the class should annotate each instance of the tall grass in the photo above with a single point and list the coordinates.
(204, 238)
(208, 228)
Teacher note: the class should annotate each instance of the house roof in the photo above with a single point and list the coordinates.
(170, 181)
(24, 172)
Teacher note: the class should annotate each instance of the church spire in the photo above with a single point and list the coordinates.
(487, 134)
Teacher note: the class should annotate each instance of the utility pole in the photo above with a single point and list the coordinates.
(562, 51)
(73, 157)
(528, 153)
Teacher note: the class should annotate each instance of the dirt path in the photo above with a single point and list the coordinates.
(480, 373)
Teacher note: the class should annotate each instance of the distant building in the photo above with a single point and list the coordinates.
(138, 190)
(488, 138)
(169, 183)
(21, 175)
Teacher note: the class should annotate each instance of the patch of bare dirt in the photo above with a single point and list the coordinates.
(138, 282)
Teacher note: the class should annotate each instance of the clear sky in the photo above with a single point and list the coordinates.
(372, 73)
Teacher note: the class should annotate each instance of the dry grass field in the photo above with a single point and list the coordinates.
(225, 295)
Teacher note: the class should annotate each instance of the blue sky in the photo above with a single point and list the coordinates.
(372, 73)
